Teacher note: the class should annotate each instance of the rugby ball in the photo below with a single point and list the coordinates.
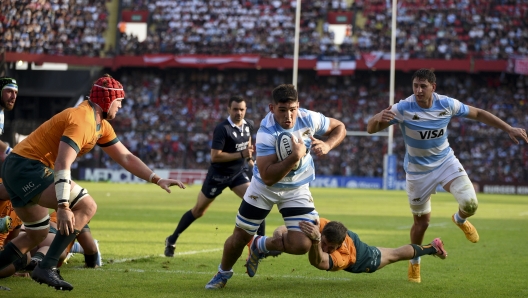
(283, 147)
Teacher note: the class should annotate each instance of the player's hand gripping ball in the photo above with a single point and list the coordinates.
(283, 147)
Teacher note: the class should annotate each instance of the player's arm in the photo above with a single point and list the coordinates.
(318, 258)
(336, 132)
(492, 120)
(272, 171)
(4, 147)
(380, 121)
(120, 154)
(221, 156)
(62, 178)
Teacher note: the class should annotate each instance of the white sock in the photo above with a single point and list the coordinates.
(222, 270)
(459, 219)
(261, 244)
(415, 260)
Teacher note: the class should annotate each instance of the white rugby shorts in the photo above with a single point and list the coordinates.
(264, 197)
(421, 187)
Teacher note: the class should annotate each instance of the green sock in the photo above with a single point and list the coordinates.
(59, 244)
(420, 250)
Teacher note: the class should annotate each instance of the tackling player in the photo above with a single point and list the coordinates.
(39, 176)
(335, 248)
(429, 160)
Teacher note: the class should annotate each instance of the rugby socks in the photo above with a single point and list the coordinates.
(10, 254)
(459, 219)
(59, 244)
(261, 244)
(420, 250)
(37, 257)
(186, 220)
(222, 270)
(262, 229)
(91, 260)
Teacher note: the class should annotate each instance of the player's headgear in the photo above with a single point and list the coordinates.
(104, 91)
(10, 83)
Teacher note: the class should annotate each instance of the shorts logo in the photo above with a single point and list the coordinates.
(416, 200)
(28, 186)
(47, 172)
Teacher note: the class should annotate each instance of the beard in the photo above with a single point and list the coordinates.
(5, 106)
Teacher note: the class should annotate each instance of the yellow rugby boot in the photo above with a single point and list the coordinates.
(468, 229)
(414, 273)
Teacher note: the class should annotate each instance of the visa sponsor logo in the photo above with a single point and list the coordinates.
(431, 134)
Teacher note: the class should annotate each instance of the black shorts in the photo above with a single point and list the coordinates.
(25, 179)
(216, 182)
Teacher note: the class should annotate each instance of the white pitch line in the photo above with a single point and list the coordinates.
(192, 252)
(212, 273)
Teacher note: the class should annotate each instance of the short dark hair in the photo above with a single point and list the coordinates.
(235, 98)
(335, 232)
(284, 93)
(425, 74)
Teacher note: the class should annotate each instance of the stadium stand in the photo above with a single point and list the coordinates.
(185, 104)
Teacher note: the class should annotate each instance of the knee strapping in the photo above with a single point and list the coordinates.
(422, 209)
(41, 224)
(292, 222)
(249, 225)
(77, 193)
(464, 192)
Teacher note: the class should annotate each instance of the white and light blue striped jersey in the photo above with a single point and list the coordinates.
(1, 121)
(425, 131)
(309, 123)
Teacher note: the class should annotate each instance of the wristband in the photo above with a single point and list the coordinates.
(8, 150)
(151, 176)
(155, 180)
(62, 180)
(159, 181)
(241, 154)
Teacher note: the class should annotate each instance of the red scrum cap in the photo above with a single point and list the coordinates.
(104, 91)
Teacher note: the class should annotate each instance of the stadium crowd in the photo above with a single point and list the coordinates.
(426, 29)
(169, 116)
(489, 29)
(54, 27)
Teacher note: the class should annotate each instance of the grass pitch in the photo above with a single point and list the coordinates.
(133, 221)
